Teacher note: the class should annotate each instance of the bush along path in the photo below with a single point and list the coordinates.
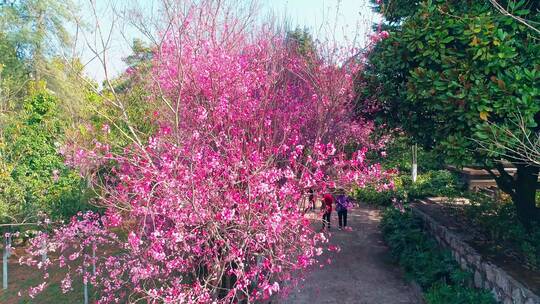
(433, 268)
(362, 273)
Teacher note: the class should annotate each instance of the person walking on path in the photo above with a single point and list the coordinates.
(326, 207)
(360, 273)
(342, 205)
(311, 199)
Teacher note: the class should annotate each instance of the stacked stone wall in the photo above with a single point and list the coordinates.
(504, 287)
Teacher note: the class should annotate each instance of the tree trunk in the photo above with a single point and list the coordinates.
(525, 194)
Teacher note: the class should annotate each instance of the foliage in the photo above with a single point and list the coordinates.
(141, 58)
(457, 73)
(43, 96)
(12, 68)
(12, 78)
(371, 195)
(209, 208)
(431, 180)
(442, 293)
(395, 10)
(424, 262)
(34, 177)
(497, 220)
(38, 28)
(432, 183)
(429, 184)
(397, 154)
(414, 250)
(35, 36)
(450, 70)
(301, 41)
(121, 106)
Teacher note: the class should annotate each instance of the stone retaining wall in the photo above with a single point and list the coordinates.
(505, 288)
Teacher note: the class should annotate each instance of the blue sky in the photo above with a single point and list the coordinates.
(335, 20)
(320, 16)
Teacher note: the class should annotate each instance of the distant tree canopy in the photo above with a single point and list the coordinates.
(38, 29)
(132, 91)
(301, 40)
(12, 67)
(452, 69)
(46, 104)
(36, 40)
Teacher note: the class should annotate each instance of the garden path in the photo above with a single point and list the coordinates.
(361, 273)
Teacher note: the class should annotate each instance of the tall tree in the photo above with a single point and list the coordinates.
(301, 41)
(450, 71)
(37, 33)
(38, 29)
(212, 204)
(12, 79)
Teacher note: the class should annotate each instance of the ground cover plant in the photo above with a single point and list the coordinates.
(434, 269)
(497, 220)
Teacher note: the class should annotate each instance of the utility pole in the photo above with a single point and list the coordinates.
(414, 172)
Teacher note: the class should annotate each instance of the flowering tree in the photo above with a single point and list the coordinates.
(211, 208)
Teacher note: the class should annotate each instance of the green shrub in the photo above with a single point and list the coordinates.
(497, 219)
(399, 156)
(372, 196)
(34, 178)
(442, 293)
(426, 263)
(414, 250)
(431, 183)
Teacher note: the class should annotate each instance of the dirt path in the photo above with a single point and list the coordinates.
(361, 273)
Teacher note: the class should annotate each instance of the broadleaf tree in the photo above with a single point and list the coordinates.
(450, 71)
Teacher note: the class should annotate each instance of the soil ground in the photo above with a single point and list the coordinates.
(361, 273)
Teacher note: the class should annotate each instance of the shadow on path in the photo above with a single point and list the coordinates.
(361, 273)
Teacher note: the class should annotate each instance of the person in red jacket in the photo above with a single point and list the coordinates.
(326, 207)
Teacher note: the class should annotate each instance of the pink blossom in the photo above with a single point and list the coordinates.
(66, 284)
(106, 128)
(334, 248)
(112, 219)
(134, 241)
(33, 291)
(246, 127)
(55, 175)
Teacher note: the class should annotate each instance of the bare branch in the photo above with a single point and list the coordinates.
(505, 12)
(516, 141)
